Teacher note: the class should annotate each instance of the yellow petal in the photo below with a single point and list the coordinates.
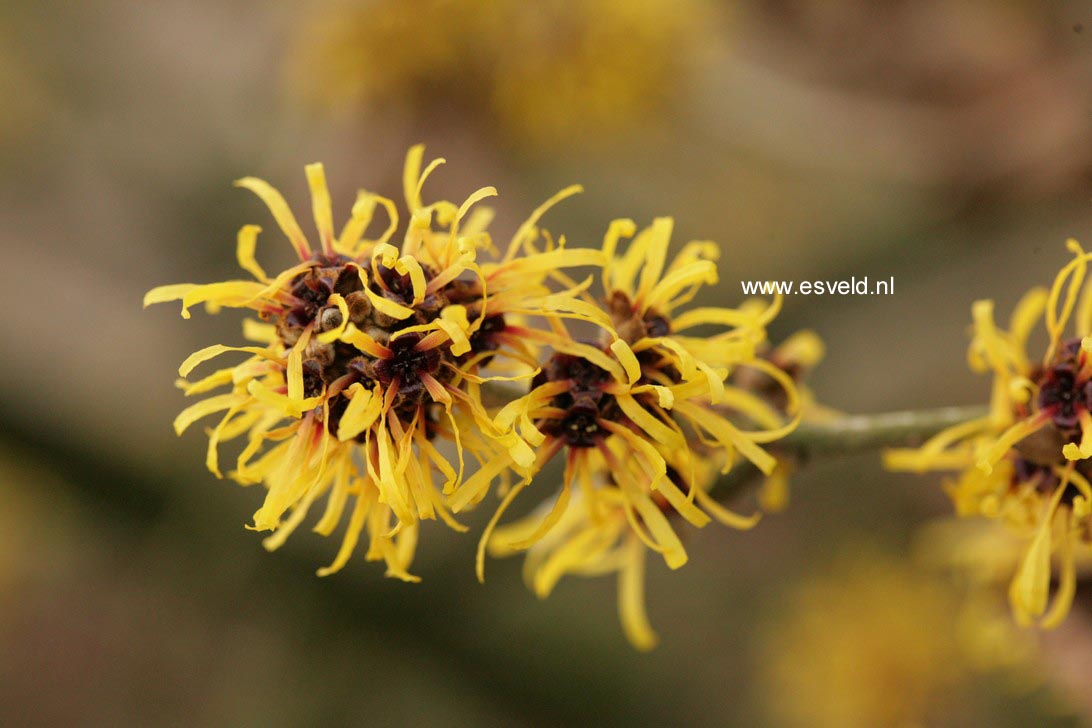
(660, 528)
(594, 355)
(212, 381)
(618, 229)
(162, 294)
(1031, 584)
(335, 503)
(477, 485)
(460, 344)
(655, 254)
(664, 395)
(648, 422)
(244, 252)
(365, 343)
(387, 306)
(1055, 320)
(545, 262)
(281, 213)
(701, 272)
(526, 231)
(204, 408)
(1072, 451)
(294, 371)
(413, 180)
(773, 495)
(228, 293)
(360, 218)
(557, 509)
(299, 511)
(727, 434)
(479, 560)
(631, 599)
(258, 331)
(725, 516)
(321, 205)
(475, 197)
(212, 454)
(1067, 584)
(658, 480)
(209, 352)
(352, 535)
(363, 410)
(1007, 439)
(287, 406)
(628, 359)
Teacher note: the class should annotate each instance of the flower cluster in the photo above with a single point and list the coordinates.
(1027, 463)
(374, 379)
(644, 414)
(369, 355)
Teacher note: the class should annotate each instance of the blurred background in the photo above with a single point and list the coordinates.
(948, 145)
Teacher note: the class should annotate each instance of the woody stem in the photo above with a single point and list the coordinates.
(852, 433)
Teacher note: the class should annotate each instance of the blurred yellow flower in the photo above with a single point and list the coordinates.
(1027, 462)
(542, 72)
(874, 642)
(35, 520)
(643, 412)
(30, 105)
(366, 353)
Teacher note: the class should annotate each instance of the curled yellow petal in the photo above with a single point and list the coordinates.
(281, 213)
(1073, 451)
(210, 352)
(526, 230)
(628, 359)
(247, 243)
(163, 294)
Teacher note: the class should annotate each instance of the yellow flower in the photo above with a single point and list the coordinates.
(543, 72)
(1027, 462)
(642, 412)
(368, 352)
(871, 641)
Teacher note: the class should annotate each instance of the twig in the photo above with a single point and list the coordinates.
(848, 434)
(867, 432)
